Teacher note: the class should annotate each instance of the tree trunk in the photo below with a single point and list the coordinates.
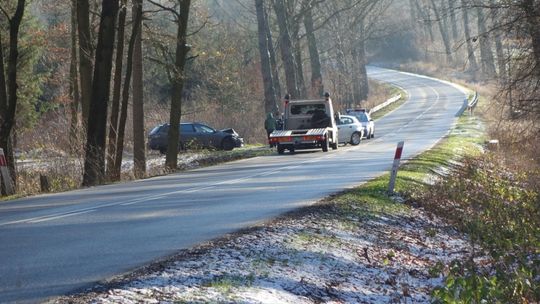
(286, 48)
(299, 67)
(317, 87)
(117, 170)
(453, 19)
(531, 10)
(85, 57)
(94, 163)
(428, 30)
(501, 60)
(444, 33)
(273, 63)
(360, 80)
(270, 102)
(473, 65)
(178, 85)
(139, 148)
(486, 54)
(117, 88)
(8, 90)
(74, 82)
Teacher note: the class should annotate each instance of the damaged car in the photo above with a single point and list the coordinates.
(195, 136)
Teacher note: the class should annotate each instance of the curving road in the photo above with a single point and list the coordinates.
(55, 244)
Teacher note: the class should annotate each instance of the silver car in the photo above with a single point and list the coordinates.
(364, 118)
(350, 130)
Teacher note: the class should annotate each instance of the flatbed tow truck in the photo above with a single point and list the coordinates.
(308, 124)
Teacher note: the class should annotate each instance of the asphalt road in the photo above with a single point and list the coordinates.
(55, 244)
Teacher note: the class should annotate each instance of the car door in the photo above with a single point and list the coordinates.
(345, 129)
(204, 135)
(187, 133)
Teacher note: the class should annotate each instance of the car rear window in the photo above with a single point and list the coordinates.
(306, 109)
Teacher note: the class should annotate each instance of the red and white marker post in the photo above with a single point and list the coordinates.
(395, 166)
(5, 176)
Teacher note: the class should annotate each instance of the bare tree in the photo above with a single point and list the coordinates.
(286, 48)
(270, 96)
(317, 87)
(86, 52)
(444, 32)
(117, 88)
(8, 88)
(487, 62)
(94, 163)
(115, 173)
(74, 79)
(139, 148)
(182, 49)
(473, 66)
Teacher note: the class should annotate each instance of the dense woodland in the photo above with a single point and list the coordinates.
(93, 77)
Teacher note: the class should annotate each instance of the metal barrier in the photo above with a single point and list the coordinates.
(472, 104)
(385, 104)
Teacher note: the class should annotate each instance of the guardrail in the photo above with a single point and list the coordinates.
(472, 104)
(385, 104)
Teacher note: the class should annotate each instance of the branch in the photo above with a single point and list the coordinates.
(165, 8)
(5, 13)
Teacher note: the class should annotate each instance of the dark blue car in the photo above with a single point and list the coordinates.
(195, 136)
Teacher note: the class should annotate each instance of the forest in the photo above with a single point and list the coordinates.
(88, 79)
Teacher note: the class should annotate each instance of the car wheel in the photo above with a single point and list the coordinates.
(356, 138)
(227, 144)
(280, 149)
(291, 150)
(325, 145)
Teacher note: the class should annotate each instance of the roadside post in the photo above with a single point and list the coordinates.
(4, 174)
(395, 166)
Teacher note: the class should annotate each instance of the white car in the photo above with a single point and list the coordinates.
(364, 118)
(350, 130)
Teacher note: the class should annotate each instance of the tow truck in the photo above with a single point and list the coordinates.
(307, 124)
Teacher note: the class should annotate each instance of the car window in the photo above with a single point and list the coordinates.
(306, 109)
(203, 129)
(362, 117)
(186, 128)
(155, 130)
(345, 121)
(164, 129)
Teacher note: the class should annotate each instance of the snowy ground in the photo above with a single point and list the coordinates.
(320, 255)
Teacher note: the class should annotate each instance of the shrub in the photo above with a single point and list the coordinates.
(498, 206)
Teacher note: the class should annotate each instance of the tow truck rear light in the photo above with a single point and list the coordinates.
(313, 138)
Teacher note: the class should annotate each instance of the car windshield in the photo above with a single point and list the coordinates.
(155, 130)
(306, 109)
